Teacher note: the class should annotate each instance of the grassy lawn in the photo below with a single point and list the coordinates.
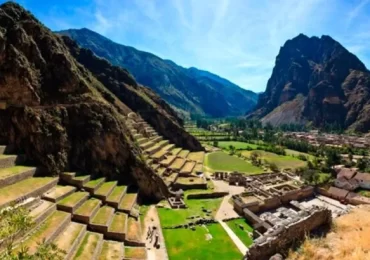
(236, 144)
(242, 234)
(188, 244)
(220, 161)
(296, 153)
(172, 217)
(281, 161)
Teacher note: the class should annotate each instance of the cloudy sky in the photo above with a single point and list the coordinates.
(237, 39)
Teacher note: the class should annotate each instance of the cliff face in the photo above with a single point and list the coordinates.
(189, 90)
(316, 80)
(58, 113)
(138, 98)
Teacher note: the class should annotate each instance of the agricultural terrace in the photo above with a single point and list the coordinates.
(202, 243)
(172, 217)
(220, 161)
(296, 153)
(281, 161)
(237, 145)
(242, 229)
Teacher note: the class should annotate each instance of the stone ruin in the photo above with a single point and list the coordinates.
(290, 228)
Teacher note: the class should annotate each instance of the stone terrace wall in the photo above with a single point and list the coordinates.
(289, 236)
(207, 195)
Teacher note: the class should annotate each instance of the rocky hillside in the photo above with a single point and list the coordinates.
(65, 119)
(189, 90)
(316, 80)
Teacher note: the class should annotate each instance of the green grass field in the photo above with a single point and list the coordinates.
(296, 153)
(281, 161)
(172, 217)
(242, 234)
(188, 244)
(220, 161)
(236, 144)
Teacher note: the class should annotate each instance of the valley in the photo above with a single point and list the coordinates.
(110, 152)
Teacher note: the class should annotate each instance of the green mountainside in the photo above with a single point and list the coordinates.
(187, 90)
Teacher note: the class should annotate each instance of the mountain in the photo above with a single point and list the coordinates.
(316, 81)
(188, 90)
(64, 116)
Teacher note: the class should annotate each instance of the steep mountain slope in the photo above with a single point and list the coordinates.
(63, 118)
(316, 80)
(189, 90)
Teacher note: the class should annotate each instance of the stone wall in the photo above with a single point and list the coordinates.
(207, 195)
(289, 236)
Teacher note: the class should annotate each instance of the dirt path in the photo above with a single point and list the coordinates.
(239, 244)
(152, 219)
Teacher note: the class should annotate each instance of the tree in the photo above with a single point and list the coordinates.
(362, 164)
(255, 158)
(273, 167)
(215, 143)
(332, 158)
(15, 222)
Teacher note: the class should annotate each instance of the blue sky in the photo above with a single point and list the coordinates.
(236, 39)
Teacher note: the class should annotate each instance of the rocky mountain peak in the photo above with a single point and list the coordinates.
(310, 73)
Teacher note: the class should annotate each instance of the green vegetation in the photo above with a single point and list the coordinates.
(172, 217)
(5, 172)
(87, 248)
(242, 233)
(128, 200)
(220, 161)
(237, 145)
(88, 207)
(118, 222)
(14, 191)
(117, 193)
(281, 161)
(135, 252)
(73, 199)
(362, 192)
(16, 220)
(103, 215)
(202, 243)
(105, 188)
(94, 183)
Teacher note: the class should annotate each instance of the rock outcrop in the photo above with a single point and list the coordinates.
(316, 80)
(63, 116)
(138, 98)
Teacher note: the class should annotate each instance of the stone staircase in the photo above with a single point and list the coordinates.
(167, 160)
(87, 218)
